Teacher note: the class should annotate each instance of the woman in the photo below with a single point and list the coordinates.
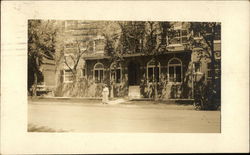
(105, 94)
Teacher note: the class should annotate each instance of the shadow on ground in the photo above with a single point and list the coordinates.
(35, 128)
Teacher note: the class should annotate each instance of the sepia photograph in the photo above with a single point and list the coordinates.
(112, 77)
(124, 76)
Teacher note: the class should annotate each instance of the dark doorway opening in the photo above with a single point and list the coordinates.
(133, 73)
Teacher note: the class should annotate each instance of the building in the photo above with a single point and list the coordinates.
(85, 65)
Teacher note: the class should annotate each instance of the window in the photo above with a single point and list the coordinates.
(180, 37)
(98, 73)
(209, 73)
(91, 46)
(115, 73)
(184, 38)
(217, 31)
(99, 45)
(174, 70)
(176, 39)
(83, 72)
(68, 76)
(217, 69)
(153, 71)
(197, 66)
(196, 34)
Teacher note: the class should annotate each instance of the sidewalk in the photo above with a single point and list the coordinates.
(117, 102)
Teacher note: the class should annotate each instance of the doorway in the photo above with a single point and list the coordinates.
(133, 73)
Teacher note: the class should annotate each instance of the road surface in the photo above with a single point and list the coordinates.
(73, 117)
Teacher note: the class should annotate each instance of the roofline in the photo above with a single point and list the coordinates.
(132, 55)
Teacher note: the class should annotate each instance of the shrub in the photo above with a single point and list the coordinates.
(207, 96)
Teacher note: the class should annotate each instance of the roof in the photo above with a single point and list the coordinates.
(102, 56)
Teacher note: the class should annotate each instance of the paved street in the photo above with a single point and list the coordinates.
(132, 117)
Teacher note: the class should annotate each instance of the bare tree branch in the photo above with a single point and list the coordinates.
(65, 61)
(208, 43)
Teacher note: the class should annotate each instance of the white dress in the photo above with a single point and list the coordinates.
(105, 94)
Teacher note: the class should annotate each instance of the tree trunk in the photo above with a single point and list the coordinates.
(112, 82)
(112, 91)
(211, 96)
(34, 90)
(34, 87)
(155, 81)
(212, 59)
(156, 91)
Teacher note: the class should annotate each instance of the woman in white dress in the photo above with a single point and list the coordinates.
(105, 94)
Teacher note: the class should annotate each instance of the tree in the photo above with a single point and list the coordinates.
(80, 40)
(208, 31)
(112, 32)
(75, 58)
(148, 38)
(156, 43)
(41, 46)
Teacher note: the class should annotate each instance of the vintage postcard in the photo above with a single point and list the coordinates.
(124, 77)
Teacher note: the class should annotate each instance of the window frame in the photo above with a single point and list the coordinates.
(99, 73)
(83, 72)
(153, 67)
(115, 72)
(216, 69)
(64, 76)
(179, 36)
(175, 65)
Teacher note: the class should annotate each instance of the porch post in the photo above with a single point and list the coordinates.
(192, 75)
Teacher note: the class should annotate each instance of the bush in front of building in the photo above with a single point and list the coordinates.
(207, 96)
(79, 87)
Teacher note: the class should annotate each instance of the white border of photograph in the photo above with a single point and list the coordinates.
(234, 17)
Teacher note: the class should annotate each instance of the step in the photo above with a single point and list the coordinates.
(134, 92)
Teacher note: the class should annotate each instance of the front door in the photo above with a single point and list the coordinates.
(133, 73)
